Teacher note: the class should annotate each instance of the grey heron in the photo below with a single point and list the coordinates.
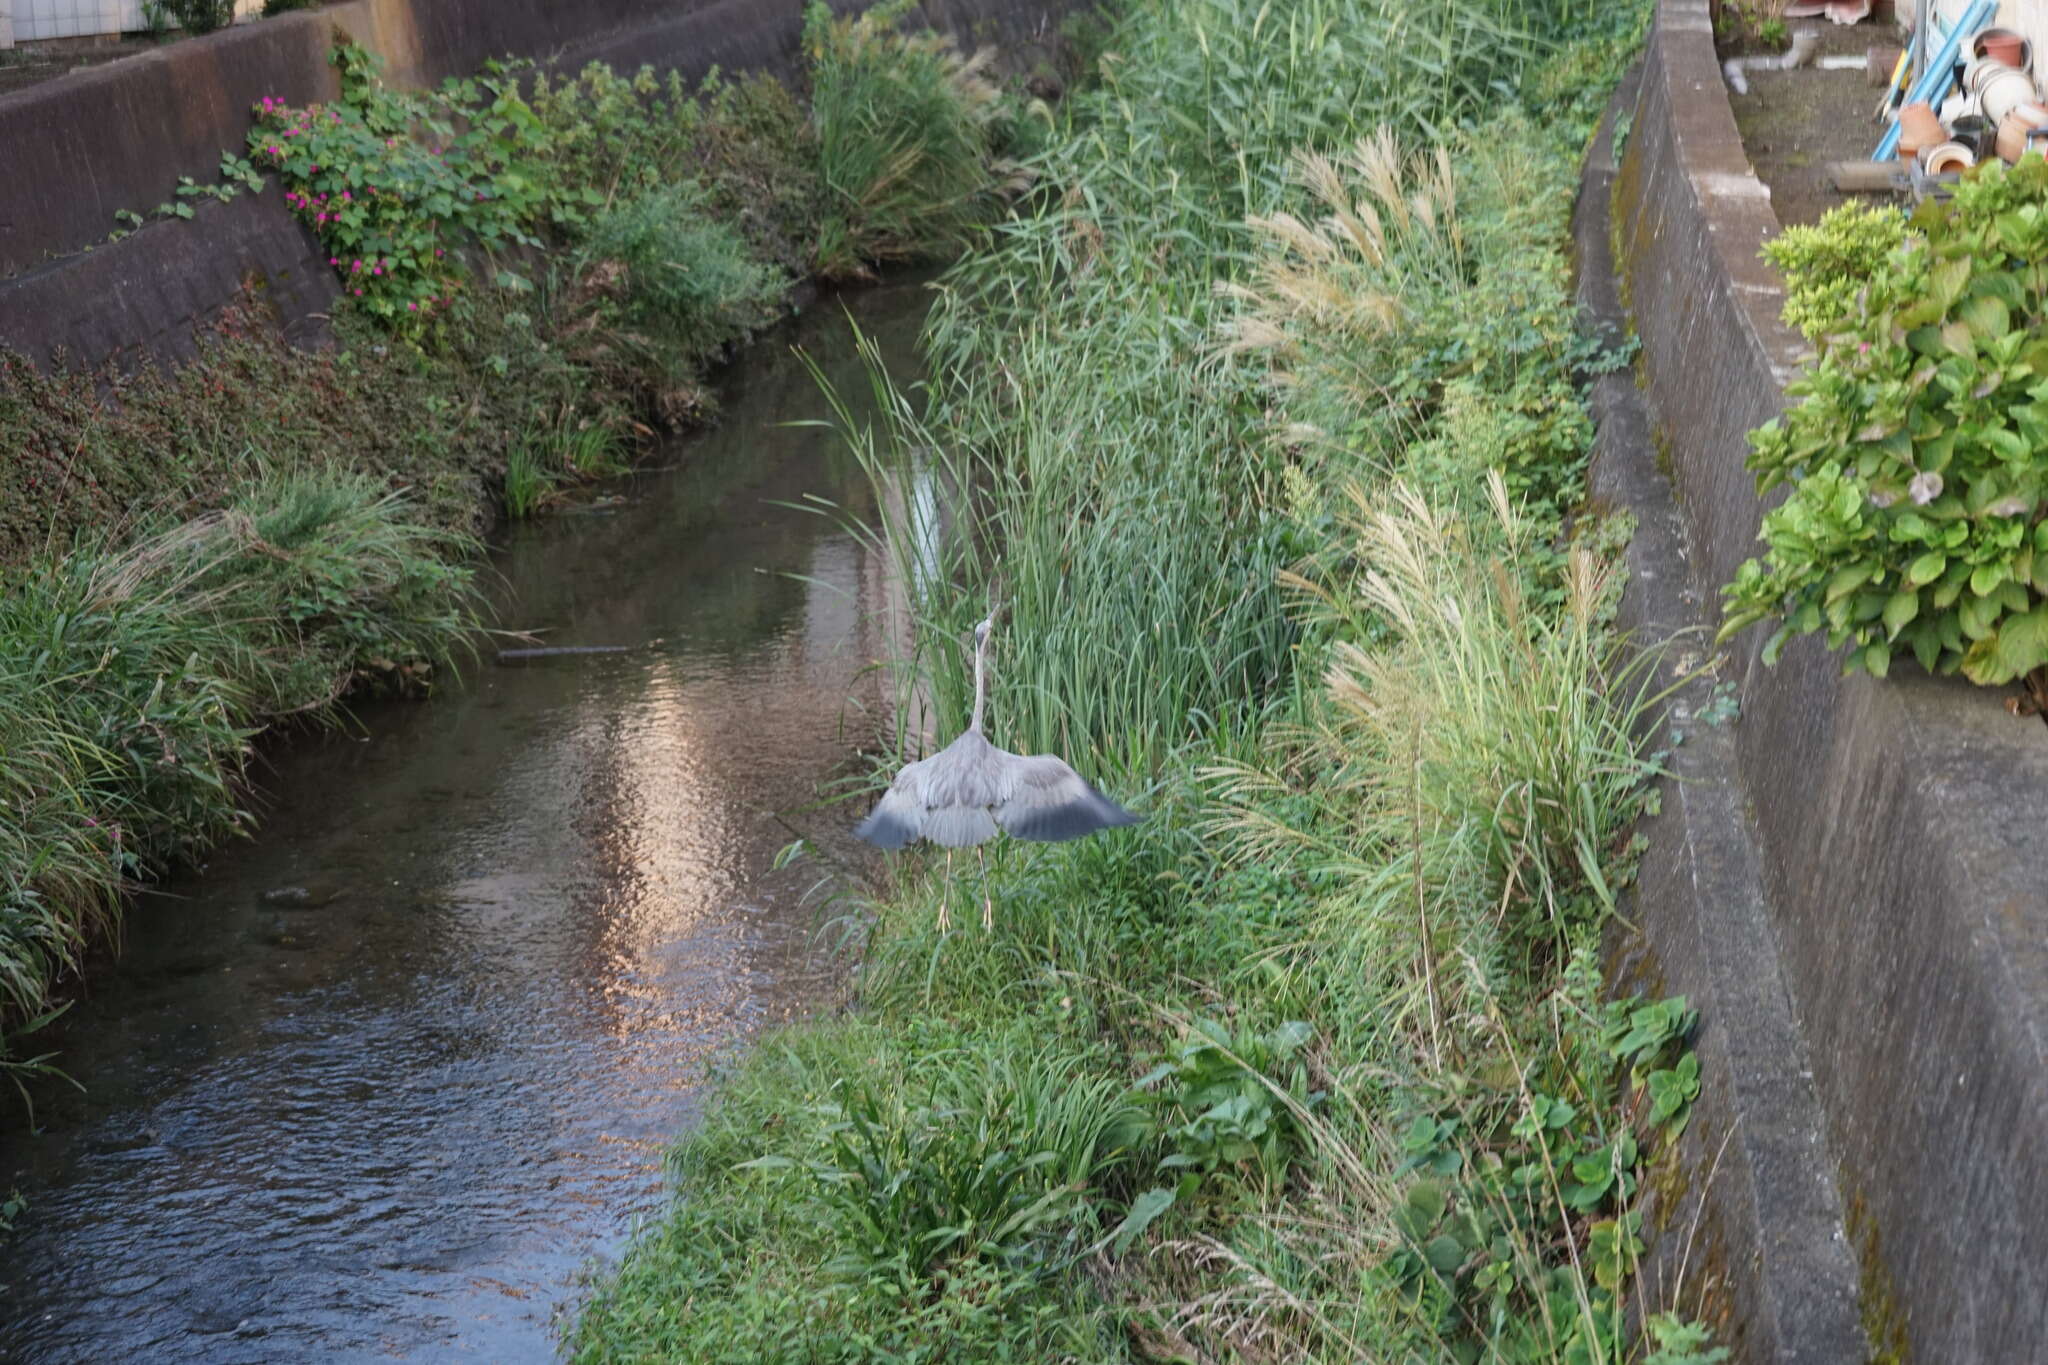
(962, 795)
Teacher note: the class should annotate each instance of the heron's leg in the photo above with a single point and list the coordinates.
(988, 907)
(946, 897)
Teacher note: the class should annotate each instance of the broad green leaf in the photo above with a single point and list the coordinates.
(1145, 1209)
(1899, 610)
(2022, 643)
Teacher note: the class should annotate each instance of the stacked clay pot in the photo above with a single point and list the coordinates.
(2018, 130)
(1919, 129)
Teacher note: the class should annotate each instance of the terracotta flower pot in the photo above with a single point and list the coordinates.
(1947, 156)
(2016, 131)
(1919, 129)
(2002, 45)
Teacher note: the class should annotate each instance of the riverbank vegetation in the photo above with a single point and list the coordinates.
(1273, 399)
(537, 275)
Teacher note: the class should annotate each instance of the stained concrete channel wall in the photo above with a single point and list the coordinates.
(76, 150)
(1897, 831)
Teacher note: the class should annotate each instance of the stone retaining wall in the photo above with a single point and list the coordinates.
(76, 150)
(1901, 826)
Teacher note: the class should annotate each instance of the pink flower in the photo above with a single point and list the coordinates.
(412, 308)
(357, 266)
(334, 260)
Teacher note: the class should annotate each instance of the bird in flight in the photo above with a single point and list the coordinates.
(962, 795)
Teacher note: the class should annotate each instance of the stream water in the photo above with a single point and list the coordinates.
(381, 1082)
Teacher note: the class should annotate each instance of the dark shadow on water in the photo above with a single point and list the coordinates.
(379, 1082)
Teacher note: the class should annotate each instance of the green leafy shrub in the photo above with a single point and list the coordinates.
(1234, 1110)
(201, 16)
(681, 279)
(1827, 263)
(389, 208)
(1500, 1173)
(902, 124)
(613, 133)
(757, 155)
(1917, 454)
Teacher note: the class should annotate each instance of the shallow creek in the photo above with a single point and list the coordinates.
(381, 1082)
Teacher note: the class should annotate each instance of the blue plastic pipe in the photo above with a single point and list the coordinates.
(1932, 87)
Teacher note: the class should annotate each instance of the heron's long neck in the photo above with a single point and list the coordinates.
(980, 683)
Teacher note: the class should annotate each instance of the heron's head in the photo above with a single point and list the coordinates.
(981, 630)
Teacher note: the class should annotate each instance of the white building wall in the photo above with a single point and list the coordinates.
(36, 20)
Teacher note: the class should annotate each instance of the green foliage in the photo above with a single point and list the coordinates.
(140, 672)
(393, 182)
(1521, 1227)
(918, 1195)
(684, 283)
(1827, 263)
(987, 1158)
(902, 138)
(201, 16)
(1381, 836)
(1915, 454)
(1678, 1342)
(1235, 1113)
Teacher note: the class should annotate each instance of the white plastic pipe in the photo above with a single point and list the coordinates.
(1803, 44)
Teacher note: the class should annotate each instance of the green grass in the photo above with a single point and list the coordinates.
(139, 672)
(904, 125)
(1271, 406)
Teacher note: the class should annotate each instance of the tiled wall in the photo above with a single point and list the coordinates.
(33, 20)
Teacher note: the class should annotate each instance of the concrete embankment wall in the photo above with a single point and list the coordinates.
(1898, 828)
(76, 150)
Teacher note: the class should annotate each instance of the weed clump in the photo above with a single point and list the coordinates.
(903, 139)
(143, 670)
(1275, 432)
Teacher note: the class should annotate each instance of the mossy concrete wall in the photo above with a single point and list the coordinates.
(1898, 826)
(79, 149)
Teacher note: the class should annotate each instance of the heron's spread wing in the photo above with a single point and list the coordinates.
(898, 818)
(944, 798)
(960, 795)
(1042, 798)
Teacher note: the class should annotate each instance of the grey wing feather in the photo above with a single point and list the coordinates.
(1044, 799)
(898, 818)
